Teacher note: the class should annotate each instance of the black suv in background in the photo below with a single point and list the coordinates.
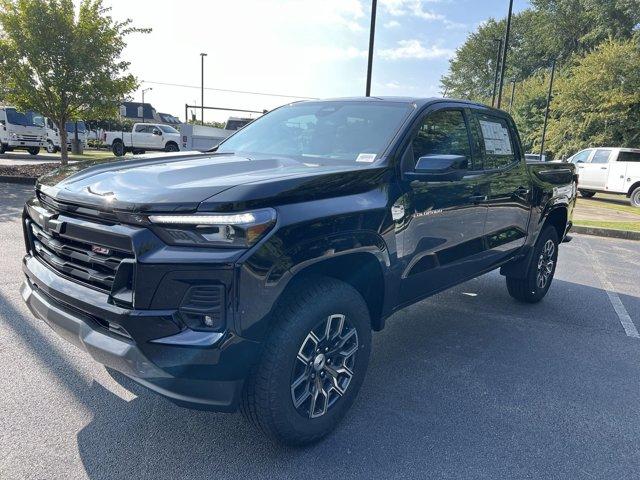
(252, 276)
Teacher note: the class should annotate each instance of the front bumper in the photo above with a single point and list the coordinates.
(204, 370)
(25, 143)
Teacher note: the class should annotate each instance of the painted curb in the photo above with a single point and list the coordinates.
(606, 232)
(15, 179)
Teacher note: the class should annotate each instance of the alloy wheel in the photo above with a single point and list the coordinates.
(546, 262)
(324, 366)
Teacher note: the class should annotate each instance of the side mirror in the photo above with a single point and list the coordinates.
(157, 132)
(439, 168)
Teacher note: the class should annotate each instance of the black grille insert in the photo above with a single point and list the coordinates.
(79, 260)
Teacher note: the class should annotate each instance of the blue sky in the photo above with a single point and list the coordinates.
(312, 48)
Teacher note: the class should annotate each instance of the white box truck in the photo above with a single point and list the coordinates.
(20, 131)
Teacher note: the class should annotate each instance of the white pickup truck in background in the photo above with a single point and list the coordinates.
(144, 137)
(610, 170)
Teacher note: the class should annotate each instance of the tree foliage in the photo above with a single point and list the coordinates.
(61, 62)
(595, 45)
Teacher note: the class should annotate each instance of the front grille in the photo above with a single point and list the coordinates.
(28, 138)
(77, 259)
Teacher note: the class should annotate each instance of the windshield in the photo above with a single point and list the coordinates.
(70, 127)
(342, 132)
(168, 129)
(29, 119)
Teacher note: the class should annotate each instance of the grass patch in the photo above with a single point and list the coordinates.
(625, 226)
(608, 203)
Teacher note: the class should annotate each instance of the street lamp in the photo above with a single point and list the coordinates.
(546, 111)
(202, 55)
(144, 90)
(497, 72)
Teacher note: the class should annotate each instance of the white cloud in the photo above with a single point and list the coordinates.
(414, 49)
(414, 8)
(392, 24)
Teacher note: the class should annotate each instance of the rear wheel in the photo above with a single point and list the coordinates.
(118, 148)
(635, 197)
(51, 148)
(587, 193)
(313, 363)
(33, 150)
(3, 148)
(534, 286)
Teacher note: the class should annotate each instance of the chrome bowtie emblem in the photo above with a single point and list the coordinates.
(100, 250)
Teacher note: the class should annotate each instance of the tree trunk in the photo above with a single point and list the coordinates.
(64, 154)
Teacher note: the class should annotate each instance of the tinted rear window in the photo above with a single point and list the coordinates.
(629, 157)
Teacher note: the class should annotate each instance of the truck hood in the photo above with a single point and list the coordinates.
(188, 181)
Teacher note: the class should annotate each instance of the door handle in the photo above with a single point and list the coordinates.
(603, 168)
(478, 198)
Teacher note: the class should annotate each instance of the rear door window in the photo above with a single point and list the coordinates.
(601, 156)
(497, 142)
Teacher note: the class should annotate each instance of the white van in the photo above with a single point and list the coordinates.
(610, 170)
(53, 135)
(24, 131)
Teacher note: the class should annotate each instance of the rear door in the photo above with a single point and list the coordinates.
(505, 168)
(594, 174)
(443, 221)
(618, 167)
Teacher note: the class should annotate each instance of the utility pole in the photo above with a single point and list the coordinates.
(372, 33)
(202, 55)
(546, 113)
(513, 93)
(495, 78)
(505, 49)
(144, 90)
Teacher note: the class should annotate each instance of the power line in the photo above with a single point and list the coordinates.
(228, 91)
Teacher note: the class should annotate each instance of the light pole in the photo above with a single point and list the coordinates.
(202, 55)
(372, 33)
(546, 112)
(144, 90)
(505, 48)
(513, 93)
(495, 77)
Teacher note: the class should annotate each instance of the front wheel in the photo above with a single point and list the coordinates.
(33, 150)
(171, 147)
(313, 363)
(534, 286)
(635, 197)
(586, 193)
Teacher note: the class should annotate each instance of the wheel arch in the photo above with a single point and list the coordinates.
(632, 188)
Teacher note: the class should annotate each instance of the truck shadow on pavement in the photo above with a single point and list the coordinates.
(458, 386)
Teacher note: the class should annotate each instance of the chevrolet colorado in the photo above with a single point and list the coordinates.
(252, 276)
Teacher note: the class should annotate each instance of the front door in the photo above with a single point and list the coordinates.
(443, 220)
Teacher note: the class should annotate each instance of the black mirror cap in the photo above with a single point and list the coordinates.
(439, 168)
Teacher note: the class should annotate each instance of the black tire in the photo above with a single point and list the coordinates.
(634, 198)
(268, 395)
(118, 148)
(586, 193)
(51, 148)
(3, 148)
(33, 150)
(171, 147)
(535, 285)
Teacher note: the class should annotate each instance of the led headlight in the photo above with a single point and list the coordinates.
(237, 230)
(14, 136)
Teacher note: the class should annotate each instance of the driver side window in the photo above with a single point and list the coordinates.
(443, 132)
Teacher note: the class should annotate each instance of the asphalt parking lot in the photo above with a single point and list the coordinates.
(467, 384)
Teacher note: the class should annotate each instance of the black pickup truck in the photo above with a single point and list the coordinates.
(252, 276)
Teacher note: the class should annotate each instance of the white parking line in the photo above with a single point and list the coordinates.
(628, 325)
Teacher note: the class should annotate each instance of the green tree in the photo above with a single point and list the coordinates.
(529, 107)
(63, 64)
(598, 100)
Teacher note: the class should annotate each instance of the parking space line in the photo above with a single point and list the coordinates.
(628, 325)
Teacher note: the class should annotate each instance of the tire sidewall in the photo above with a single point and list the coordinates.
(635, 197)
(549, 233)
(345, 301)
(118, 149)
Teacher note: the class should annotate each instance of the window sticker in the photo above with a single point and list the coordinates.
(366, 157)
(496, 138)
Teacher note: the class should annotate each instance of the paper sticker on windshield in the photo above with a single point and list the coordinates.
(366, 157)
(496, 138)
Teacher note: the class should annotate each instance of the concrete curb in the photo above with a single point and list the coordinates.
(606, 232)
(15, 179)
